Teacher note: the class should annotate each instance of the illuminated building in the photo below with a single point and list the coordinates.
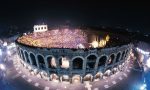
(73, 55)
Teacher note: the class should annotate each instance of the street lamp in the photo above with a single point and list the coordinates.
(2, 67)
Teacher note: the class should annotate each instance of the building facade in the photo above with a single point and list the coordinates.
(74, 65)
(40, 28)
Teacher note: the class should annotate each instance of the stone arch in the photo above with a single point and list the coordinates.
(60, 61)
(27, 57)
(120, 67)
(118, 57)
(123, 54)
(126, 53)
(33, 59)
(65, 78)
(108, 72)
(111, 59)
(88, 77)
(64, 62)
(22, 53)
(41, 61)
(91, 61)
(19, 52)
(102, 61)
(54, 77)
(77, 62)
(98, 75)
(115, 69)
(51, 61)
(76, 79)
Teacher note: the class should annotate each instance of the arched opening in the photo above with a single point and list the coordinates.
(77, 63)
(65, 78)
(19, 53)
(51, 62)
(64, 62)
(114, 70)
(91, 60)
(98, 76)
(22, 55)
(76, 79)
(88, 77)
(33, 59)
(60, 62)
(122, 56)
(120, 67)
(126, 54)
(111, 59)
(102, 61)
(54, 77)
(118, 57)
(43, 74)
(107, 72)
(41, 62)
(27, 58)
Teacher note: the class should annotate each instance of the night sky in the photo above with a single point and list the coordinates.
(133, 15)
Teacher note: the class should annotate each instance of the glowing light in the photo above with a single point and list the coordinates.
(8, 52)
(107, 38)
(143, 87)
(5, 44)
(102, 43)
(148, 62)
(0, 52)
(95, 44)
(53, 62)
(142, 51)
(12, 45)
(65, 63)
(2, 67)
(81, 46)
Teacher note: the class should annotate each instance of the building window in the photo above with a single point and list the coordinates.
(22, 55)
(77, 63)
(64, 63)
(122, 56)
(51, 62)
(111, 59)
(102, 61)
(118, 57)
(41, 61)
(33, 59)
(27, 58)
(91, 60)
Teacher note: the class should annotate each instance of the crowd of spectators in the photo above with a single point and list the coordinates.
(63, 38)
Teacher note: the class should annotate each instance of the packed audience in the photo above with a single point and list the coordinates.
(63, 38)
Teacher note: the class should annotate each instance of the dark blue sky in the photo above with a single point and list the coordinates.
(135, 15)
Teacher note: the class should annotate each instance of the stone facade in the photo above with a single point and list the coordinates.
(83, 63)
